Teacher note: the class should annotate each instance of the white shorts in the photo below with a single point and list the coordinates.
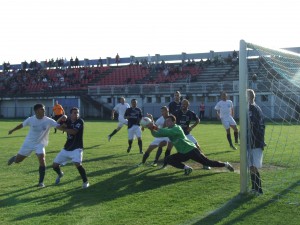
(135, 130)
(227, 122)
(191, 138)
(122, 122)
(255, 157)
(26, 149)
(157, 141)
(64, 156)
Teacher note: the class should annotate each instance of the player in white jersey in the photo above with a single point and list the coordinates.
(36, 139)
(158, 141)
(225, 113)
(120, 108)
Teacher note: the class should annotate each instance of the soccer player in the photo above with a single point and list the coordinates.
(58, 111)
(186, 149)
(257, 133)
(36, 139)
(225, 112)
(176, 103)
(134, 115)
(184, 117)
(159, 142)
(120, 108)
(73, 148)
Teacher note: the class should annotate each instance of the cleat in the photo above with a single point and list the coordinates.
(57, 181)
(11, 160)
(206, 167)
(141, 152)
(41, 185)
(229, 167)
(163, 166)
(128, 149)
(85, 185)
(234, 148)
(188, 171)
(154, 164)
(108, 138)
(140, 164)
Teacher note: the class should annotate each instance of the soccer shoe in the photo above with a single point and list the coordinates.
(229, 167)
(234, 148)
(128, 149)
(108, 138)
(255, 192)
(140, 164)
(188, 171)
(141, 152)
(154, 164)
(163, 166)
(11, 160)
(206, 167)
(85, 184)
(41, 185)
(57, 181)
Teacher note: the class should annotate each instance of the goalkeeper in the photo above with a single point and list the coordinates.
(185, 148)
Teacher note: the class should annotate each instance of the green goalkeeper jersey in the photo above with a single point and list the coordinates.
(177, 137)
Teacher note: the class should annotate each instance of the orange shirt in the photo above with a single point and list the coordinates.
(58, 110)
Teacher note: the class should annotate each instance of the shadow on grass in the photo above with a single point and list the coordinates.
(14, 136)
(117, 182)
(235, 203)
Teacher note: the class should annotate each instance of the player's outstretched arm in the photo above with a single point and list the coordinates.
(16, 128)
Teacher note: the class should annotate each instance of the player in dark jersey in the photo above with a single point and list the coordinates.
(73, 148)
(176, 103)
(184, 117)
(134, 115)
(256, 139)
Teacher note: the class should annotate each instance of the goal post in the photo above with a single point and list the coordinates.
(243, 110)
(274, 75)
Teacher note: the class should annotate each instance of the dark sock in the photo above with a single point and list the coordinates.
(57, 170)
(145, 157)
(81, 170)
(229, 139)
(140, 143)
(253, 181)
(236, 137)
(42, 171)
(258, 183)
(129, 143)
(114, 132)
(158, 153)
(167, 153)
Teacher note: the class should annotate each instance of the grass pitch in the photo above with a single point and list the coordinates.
(121, 193)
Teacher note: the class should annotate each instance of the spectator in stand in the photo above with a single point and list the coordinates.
(234, 58)
(99, 62)
(71, 63)
(76, 62)
(117, 59)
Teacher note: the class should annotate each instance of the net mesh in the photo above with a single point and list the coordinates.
(275, 77)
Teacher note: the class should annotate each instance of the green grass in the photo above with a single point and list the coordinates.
(120, 193)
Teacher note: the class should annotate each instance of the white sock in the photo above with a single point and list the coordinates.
(186, 167)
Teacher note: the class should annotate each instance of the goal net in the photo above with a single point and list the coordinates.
(274, 75)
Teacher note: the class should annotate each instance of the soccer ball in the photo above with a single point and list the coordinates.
(145, 121)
